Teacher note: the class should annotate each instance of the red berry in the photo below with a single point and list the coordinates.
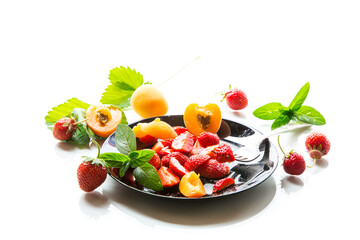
(167, 177)
(195, 161)
(180, 129)
(177, 168)
(236, 99)
(222, 184)
(91, 175)
(213, 169)
(221, 152)
(183, 143)
(294, 164)
(155, 161)
(317, 145)
(148, 140)
(64, 129)
(207, 139)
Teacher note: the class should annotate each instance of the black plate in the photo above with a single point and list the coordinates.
(246, 175)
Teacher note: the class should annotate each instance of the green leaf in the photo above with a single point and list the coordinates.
(141, 157)
(299, 98)
(125, 140)
(309, 115)
(124, 81)
(63, 110)
(124, 169)
(83, 134)
(116, 160)
(269, 111)
(147, 176)
(282, 120)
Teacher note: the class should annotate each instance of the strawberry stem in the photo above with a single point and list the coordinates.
(312, 163)
(84, 120)
(98, 147)
(278, 139)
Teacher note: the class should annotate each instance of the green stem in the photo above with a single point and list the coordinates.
(313, 163)
(280, 145)
(98, 147)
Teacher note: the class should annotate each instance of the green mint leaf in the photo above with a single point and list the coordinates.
(140, 157)
(63, 110)
(125, 140)
(309, 115)
(116, 160)
(124, 169)
(269, 111)
(299, 98)
(124, 81)
(282, 120)
(83, 134)
(147, 176)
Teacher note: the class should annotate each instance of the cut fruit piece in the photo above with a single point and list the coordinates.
(183, 143)
(167, 177)
(200, 119)
(191, 186)
(177, 168)
(148, 101)
(157, 128)
(103, 120)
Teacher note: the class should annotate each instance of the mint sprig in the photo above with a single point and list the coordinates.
(128, 156)
(295, 112)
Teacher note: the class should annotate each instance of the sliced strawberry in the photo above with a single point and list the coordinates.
(167, 177)
(182, 158)
(221, 152)
(148, 140)
(180, 129)
(213, 169)
(177, 168)
(155, 161)
(157, 147)
(183, 143)
(222, 184)
(165, 151)
(196, 149)
(167, 142)
(195, 161)
(207, 139)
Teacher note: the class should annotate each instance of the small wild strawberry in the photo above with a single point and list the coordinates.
(294, 163)
(317, 145)
(64, 128)
(235, 99)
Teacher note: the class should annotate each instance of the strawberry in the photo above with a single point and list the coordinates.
(177, 168)
(64, 128)
(157, 147)
(155, 161)
(167, 142)
(222, 184)
(235, 99)
(317, 145)
(221, 152)
(197, 149)
(207, 139)
(183, 143)
(180, 129)
(213, 169)
(182, 158)
(91, 173)
(148, 140)
(294, 163)
(195, 161)
(167, 177)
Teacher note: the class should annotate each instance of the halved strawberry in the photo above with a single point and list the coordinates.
(196, 161)
(177, 168)
(221, 152)
(222, 184)
(183, 143)
(155, 161)
(207, 139)
(213, 169)
(182, 158)
(197, 148)
(180, 129)
(167, 177)
(148, 140)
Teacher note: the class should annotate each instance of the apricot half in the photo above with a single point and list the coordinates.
(157, 128)
(200, 119)
(103, 120)
(191, 186)
(148, 101)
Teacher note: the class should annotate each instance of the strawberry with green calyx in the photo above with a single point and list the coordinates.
(235, 98)
(92, 172)
(294, 163)
(317, 145)
(64, 128)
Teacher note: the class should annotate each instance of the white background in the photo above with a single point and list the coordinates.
(51, 51)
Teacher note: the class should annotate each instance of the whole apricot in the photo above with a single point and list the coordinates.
(148, 101)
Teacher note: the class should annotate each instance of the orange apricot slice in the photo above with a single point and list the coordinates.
(200, 119)
(148, 101)
(103, 120)
(157, 128)
(191, 186)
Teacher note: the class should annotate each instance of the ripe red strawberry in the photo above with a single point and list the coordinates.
(180, 129)
(207, 139)
(167, 142)
(148, 140)
(183, 143)
(91, 173)
(221, 152)
(213, 169)
(236, 99)
(197, 149)
(222, 184)
(155, 161)
(317, 145)
(177, 168)
(182, 158)
(294, 164)
(64, 128)
(195, 161)
(167, 177)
